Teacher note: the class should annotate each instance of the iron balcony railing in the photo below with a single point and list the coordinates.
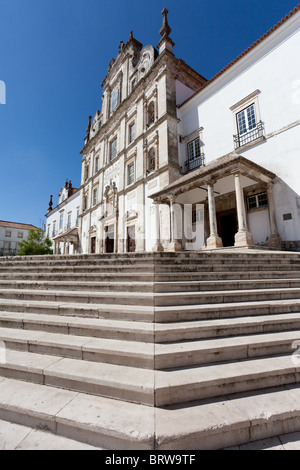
(251, 135)
(194, 163)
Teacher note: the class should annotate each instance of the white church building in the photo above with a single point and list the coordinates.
(172, 161)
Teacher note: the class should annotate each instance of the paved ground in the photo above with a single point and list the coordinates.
(283, 442)
(17, 437)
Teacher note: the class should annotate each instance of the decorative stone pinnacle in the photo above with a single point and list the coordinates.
(165, 29)
(50, 204)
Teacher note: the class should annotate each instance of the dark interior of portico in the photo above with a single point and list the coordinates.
(227, 221)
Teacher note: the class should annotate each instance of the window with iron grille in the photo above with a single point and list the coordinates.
(193, 149)
(195, 158)
(249, 129)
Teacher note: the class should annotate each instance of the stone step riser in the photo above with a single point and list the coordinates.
(81, 287)
(225, 433)
(83, 354)
(172, 394)
(161, 315)
(233, 353)
(219, 332)
(138, 298)
(224, 298)
(157, 269)
(155, 335)
(223, 311)
(109, 333)
(143, 277)
(201, 391)
(85, 298)
(78, 311)
(162, 361)
(100, 438)
(138, 285)
(107, 390)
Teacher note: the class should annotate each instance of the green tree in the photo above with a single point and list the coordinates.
(35, 244)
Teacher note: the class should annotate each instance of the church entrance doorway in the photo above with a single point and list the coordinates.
(131, 239)
(227, 226)
(109, 239)
(93, 245)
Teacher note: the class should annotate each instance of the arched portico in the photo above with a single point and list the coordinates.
(229, 178)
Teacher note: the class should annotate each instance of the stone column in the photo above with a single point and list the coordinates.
(243, 237)
(213, 241)
(274, 240)
(157, 246)
(175, 244)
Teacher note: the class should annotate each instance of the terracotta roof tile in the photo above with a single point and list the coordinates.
(4, 223)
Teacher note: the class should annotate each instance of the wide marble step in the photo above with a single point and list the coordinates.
(140, 297)
(150, 332)
(114, 424)
(150, 387)
(147, 355)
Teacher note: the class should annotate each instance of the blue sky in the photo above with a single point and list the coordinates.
(54, 55)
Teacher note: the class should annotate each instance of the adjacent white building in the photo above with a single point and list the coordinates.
(239, 146)
(62, 220)
(11, 234)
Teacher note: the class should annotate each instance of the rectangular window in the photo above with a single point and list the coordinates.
(259, 200)
(246, 120)
(95, 192)
(20, 234)
(48, 231)
(195, 157)
(131, 132)
(8, 233)
(113, 149)
(86, 175)
(194, 149)
(131, 173)
(247, 126)
(96, 164)
(69, 221)
(77, 218)
(61, 220)
(54, 229)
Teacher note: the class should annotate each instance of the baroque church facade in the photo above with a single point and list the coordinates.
(175, 162)
(131, 145)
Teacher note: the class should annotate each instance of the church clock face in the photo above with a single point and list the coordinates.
(114, 99)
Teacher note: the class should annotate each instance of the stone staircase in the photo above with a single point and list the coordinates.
(152, 350)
